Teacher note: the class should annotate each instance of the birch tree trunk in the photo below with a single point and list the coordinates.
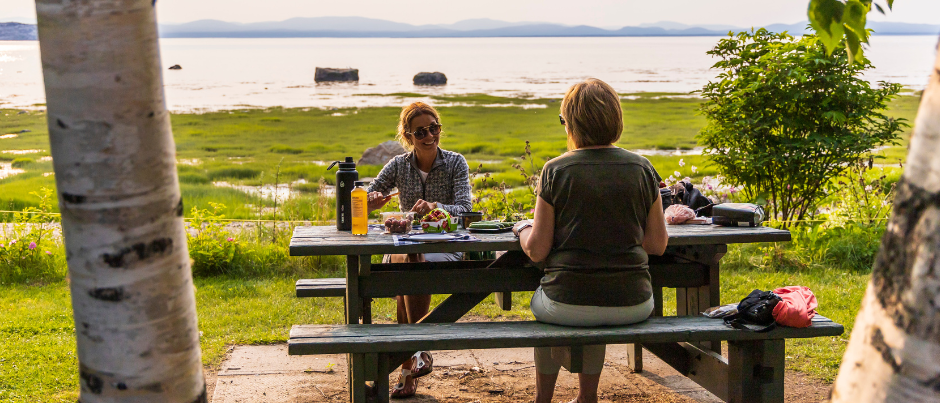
(115, 169)
(894, 351)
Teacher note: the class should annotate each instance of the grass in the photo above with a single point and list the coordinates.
(38, 363)
(247, 147)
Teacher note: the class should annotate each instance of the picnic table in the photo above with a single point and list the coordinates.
(690, 265)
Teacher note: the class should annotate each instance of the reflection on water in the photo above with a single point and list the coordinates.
(222, 73)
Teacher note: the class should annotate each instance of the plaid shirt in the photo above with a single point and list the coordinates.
(448, 182)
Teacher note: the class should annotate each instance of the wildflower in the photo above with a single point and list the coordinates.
(671, 179)
(231, 239)
(32, 245)
(694, 169)
(48, 253)
(868, 188)
(677, 174)
(12, 242)
(681, 162)
(733, 189)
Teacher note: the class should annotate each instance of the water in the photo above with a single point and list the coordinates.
(235, 73)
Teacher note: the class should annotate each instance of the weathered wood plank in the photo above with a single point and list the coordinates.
(353, 303)
(326, 240)
(320, 287)
(755, 371)
(460, 264)
(387, 284)
(331, 339)
(503, 300)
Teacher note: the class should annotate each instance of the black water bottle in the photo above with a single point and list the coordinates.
(346, 177)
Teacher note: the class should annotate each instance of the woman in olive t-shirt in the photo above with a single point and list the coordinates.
(597, 216)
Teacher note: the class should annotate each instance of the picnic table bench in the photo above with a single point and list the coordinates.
(690, 265)
(753, 371)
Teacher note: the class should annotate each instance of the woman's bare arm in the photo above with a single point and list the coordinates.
(655, 236)
(537, 240)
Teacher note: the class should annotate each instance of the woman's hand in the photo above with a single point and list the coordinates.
(376, 200)
(422, 208)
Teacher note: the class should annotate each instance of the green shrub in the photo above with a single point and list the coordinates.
(22, 162)
(784, 117)
(30, 253)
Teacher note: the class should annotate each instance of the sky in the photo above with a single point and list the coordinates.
(599, 13)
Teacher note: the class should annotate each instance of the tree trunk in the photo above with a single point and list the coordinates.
(894, 352)
(115, 168)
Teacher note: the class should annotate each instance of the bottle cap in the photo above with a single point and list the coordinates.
(360, 183)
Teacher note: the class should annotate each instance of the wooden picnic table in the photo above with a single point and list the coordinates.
(690, 265)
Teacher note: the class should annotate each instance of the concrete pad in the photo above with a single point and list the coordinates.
(268, 374)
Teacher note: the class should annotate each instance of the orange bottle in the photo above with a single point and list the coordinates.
(360, 209)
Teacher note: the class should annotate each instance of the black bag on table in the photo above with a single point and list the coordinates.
(684, 193)
(755, 309)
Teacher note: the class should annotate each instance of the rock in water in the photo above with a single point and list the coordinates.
(435, 78)
(176, 67)
(382, 153)
(328, 74)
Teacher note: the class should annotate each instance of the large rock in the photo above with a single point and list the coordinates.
(327, 74)
(435, 78)
(382, 153)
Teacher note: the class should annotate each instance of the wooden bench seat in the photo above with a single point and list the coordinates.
(752, 372)
(321, 287)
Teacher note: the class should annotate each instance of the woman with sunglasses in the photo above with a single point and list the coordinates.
(427, 177)
(598, 215)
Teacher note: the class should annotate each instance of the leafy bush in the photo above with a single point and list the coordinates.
(22, 162)
(784, 117)
(29, 253)
(212, 248)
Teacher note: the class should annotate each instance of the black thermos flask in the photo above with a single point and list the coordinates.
(346, 177)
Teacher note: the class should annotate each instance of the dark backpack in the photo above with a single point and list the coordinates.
(755, 309)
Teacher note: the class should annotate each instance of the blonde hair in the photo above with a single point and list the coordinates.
(408, 113)
(592, 113)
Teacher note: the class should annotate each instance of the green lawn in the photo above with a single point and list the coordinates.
(259, 146)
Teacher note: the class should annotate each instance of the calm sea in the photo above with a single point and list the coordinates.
(234, 73)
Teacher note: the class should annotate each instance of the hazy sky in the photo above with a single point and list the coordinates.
(601, 13)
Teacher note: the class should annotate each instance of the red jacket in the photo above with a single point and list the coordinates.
(797, 307)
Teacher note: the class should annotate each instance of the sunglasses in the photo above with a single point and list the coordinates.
(434, 129)
(561, 119)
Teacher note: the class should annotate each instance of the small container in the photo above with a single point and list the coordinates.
(469, 217)
(398, 222)
(359, 200)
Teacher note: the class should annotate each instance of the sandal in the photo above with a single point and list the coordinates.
(399, 391)
(421, 366)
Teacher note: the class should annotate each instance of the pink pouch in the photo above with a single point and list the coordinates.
(797, 307)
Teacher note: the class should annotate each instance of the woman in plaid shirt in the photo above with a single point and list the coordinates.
(427, 177)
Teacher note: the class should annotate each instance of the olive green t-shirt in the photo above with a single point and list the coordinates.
(601, 199)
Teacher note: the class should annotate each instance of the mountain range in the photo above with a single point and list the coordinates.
(359, 27)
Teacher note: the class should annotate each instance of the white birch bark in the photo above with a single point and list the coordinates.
(894, 351)
(114, 160)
